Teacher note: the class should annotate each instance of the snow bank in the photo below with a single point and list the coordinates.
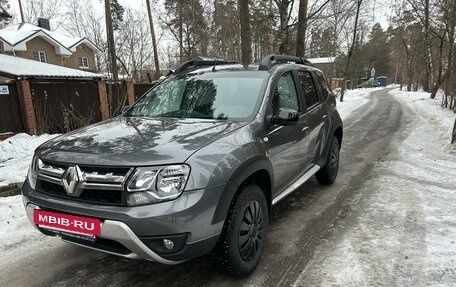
(429, 110)
(14, 225)
(15, 156)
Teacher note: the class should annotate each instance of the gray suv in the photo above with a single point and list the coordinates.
(194, 167)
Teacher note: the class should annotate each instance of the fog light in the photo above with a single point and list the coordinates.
(168, 244)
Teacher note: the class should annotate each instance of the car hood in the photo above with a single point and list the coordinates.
(135, 141)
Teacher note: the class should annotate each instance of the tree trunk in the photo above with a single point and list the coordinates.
(111, 44)
(246, 41)
(181, 33)
(428, 45)
(302, 27)
(271, 29)
(352, 47)
(283, 13)
(154, 41)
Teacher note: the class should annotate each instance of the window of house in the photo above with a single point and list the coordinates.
(83, 62)
(40, 56)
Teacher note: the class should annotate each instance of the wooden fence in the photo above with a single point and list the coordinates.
(11, 116)
(61, 106)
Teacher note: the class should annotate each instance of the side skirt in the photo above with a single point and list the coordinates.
(305, 177)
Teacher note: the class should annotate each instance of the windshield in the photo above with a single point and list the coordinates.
(206, 96)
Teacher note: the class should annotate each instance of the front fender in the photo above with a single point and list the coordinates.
(245, 170)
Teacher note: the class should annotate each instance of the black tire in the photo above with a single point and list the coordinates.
(241, 245)
(328, 174)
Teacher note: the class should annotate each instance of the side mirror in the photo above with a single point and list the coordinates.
(124, 109)
(285, 117)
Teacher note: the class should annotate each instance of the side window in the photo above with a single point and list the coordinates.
(285, 95)
(308, 88)
(324, 84)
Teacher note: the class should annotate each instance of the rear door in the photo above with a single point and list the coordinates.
(314, 116)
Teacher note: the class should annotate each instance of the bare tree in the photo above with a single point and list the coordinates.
(48, 9)
(154, 41)
(352, 46)
(111, 43)
(134, 45)
(246, 42)
(302, 26)
(82, 20)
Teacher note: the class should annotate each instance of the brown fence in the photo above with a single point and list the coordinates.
(11, 118)
(141, 89)
(62, 106)
(117, 97)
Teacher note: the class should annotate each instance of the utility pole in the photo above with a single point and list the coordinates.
(22, 12)
(111, 44)
(154, 41)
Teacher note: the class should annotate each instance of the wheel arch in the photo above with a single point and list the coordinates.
(256, 170)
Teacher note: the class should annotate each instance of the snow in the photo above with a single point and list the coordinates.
(353, 99)
(24, 67)
(15, 156)
(405, 231)
(15, 34)
(14, 225)
(322, 60)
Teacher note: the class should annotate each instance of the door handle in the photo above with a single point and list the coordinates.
(306, 129)
(325, 116)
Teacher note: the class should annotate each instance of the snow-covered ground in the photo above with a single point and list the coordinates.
(15, 156)
(353, 99)
(405, 229)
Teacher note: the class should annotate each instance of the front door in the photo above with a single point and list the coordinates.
(286, 143)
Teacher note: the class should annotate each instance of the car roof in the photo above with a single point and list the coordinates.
(268, 63)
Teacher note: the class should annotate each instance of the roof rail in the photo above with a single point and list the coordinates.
(270, 61)
(193, 64)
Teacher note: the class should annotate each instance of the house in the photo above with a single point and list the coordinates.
(39, 43)
(326, 64)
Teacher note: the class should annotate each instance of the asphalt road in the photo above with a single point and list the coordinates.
(300, 224)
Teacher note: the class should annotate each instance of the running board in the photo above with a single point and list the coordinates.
(300, 181)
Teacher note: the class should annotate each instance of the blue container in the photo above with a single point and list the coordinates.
(383, 81)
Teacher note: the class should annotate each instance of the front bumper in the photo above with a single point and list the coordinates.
(134, 227)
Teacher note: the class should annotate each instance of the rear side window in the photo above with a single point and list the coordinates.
(308, 88)
(324, 85)
(285, 95)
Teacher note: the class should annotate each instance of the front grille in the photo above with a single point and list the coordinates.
(104, 197)
(90, 184)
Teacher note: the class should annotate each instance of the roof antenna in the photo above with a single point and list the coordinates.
(215, 64)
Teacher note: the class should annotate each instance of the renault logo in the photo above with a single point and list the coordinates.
(71, 180)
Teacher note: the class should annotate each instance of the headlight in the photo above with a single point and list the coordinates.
(33, 172)
(150, 184)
